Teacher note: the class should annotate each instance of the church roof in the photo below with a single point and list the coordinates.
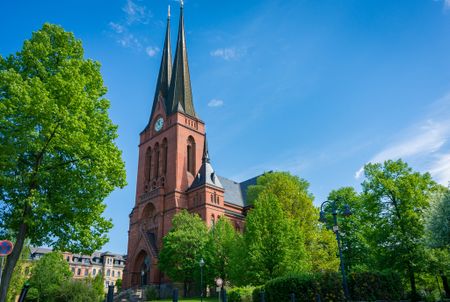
(180, 92)
(206, 174)
(165, 70)
(235, 192)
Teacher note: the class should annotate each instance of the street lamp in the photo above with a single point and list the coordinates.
(202, 264)
(347, 212)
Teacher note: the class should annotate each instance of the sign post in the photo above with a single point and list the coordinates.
(6, 248)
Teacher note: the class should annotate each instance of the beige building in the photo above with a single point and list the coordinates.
(109, 265)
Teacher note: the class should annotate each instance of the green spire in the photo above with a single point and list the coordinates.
(165, 70)
(180, 92)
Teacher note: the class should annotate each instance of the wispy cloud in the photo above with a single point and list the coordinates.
(215, 103)
(447, 4)
(124, 37)
(136, 13)
(424, 143)
(152, 51)
(230, 53)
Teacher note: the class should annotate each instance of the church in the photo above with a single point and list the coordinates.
(175, 170)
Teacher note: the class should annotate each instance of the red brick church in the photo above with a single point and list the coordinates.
(174, 169)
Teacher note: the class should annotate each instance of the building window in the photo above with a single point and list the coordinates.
(112, 273)
(108, 273)
(148, 165)
(94, 271)
(212, 220)
(73, 270)
(118, 274)
(79, 272)
(157, 160)
(86, 272)
(164, 156)
(190, 154)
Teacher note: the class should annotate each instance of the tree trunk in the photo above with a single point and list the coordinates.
(445, 284)
(11, 261)
(412, 280)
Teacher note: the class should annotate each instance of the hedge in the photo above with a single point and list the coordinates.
(240, 294)
(372, 286)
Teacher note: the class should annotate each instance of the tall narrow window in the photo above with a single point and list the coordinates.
(148, 165)
(190, 154)
(156, 160)
(164, 156)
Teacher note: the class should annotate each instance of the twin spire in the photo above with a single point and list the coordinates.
(174, 82)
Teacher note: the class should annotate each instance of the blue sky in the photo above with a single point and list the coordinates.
(318, 88)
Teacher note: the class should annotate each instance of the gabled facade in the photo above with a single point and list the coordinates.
(174, 169)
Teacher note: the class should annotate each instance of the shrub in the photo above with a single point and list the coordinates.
(256, 293)
(240, 294)
(372, 286)
(150, 293)
(306, 287)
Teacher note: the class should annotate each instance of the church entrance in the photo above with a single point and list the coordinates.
(142, 268)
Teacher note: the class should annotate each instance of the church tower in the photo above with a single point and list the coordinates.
(174, 169)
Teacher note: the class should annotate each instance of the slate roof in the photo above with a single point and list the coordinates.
(206, 174)
(235, 192)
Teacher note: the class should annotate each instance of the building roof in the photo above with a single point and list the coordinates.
(180, 91)
(206, 174)
(235, 192)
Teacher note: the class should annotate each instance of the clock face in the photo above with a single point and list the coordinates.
(159, 124)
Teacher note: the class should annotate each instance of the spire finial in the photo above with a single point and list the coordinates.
(181, 3)
(168, 12)
(205, 158)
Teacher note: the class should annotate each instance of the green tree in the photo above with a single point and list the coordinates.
(297, 205)
(222, 243)
(79, 291)
(19, 276)
(272, 242)
(395, 200)
(355, 250)
(183, 247)
(58, 159)
(119, 284)
(48, 275)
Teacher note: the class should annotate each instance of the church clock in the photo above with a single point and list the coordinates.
(159, 124)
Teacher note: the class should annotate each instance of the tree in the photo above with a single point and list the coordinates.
(222, 243)
(83, 290)
(48, 275)
(119, 285)
(395, 200)
(19, 276)
(272, 242)
(58, 159)
(356, 253)
(183, 247)
(297, 205)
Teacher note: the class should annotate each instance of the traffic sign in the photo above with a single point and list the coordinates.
(219, 282)
(6, 248)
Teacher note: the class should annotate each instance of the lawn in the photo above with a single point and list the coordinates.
(215, 299)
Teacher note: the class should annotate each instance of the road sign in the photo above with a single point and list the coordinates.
(6, 248)
(219, 282)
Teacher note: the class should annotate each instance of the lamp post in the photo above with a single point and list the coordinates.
(202, 263)
(347, 212)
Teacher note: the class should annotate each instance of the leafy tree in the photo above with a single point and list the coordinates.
(273, 245)
(355, 250)
(395, 200)
(297, 205)
(222, 243)
(48, 275)
(183, 247)
(58, 159)
(79, 291)
(19, 276)
(119, 284)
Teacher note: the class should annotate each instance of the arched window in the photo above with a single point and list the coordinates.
(94, 271)
(164, 156)
(190, 154)
(148, 165)
(156, 160)
(108, 273)
(213, 221)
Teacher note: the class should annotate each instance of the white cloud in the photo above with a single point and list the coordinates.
(447, 4)
(424, 144)
(117, 28)
(215, 103)
(124, 37)
(152, 51)
(230, 53)
(136, 13)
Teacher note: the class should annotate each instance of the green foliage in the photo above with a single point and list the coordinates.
(221, 248)
(119, 284)
(373, 286)
(306, 287)
(19, 276)
(297, 204)
(256, 294)
(395, 202)
(150, 293)
(183, 247)
(58, 157)
(438, 220)
(240, 294)
(79, 291)
(48, 275)
(272, 243)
